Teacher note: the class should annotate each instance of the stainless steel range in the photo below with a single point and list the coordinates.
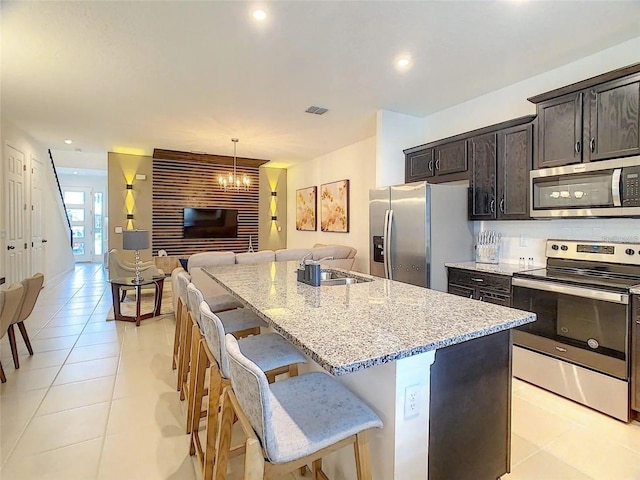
(579, 345)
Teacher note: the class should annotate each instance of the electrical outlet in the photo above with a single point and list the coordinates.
(411, 401)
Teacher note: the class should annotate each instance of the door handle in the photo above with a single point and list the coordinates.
(10, 247)
(44, 240)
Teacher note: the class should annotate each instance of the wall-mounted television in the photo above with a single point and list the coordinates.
(210, 223)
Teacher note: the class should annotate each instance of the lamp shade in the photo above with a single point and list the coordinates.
(135, 239)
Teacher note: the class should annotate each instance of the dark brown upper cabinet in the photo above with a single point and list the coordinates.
(499, 174)
(596, 119)
(419, 165)
(451, 158)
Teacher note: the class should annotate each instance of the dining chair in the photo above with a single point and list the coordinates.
(9, 303)
(290, 423)
(31, 291)
(273, 355)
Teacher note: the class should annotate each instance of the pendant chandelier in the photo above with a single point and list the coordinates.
(233, 180)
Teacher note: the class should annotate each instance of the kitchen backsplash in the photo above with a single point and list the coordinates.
(527, 238)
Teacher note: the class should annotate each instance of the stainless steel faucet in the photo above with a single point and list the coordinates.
(304, 258)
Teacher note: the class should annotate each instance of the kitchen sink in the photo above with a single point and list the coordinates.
(332, 277)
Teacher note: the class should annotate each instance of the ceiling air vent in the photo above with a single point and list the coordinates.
(316, 110)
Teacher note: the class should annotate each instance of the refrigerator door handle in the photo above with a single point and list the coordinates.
(384, 243)
(387, 251)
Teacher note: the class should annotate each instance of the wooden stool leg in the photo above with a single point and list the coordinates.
(316, 469)
(185, 350)
(123, 295)
(176, 337)
(223, 443)
(14, 347)
(253, 460)
(3, 378)
(25, 337)
(213, 417)
(293, 370)
(199, 390)
(363, 460)
(195, 346)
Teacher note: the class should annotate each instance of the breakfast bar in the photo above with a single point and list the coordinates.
(427, 362)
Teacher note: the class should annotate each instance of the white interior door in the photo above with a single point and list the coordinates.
(15, 213)
(79, 204)
(38, 239)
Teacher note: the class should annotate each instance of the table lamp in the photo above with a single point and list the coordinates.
(136, 240)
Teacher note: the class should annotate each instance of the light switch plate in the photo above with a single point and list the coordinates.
(141, 176)
(118, 229)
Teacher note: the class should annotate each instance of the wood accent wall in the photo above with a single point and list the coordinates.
(178, 184)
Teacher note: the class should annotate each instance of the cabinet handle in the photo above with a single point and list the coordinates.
(431, 165)
(592, 145)
(471, 296)
(576, 147)
(492, 206)
(438, 163)
(481, 297)
(477, 279)
(10, 247)
(502, 206)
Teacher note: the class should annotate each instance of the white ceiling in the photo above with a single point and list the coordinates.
(133, 76)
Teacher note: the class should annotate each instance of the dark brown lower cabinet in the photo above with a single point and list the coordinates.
(470, 410)
(486, 287)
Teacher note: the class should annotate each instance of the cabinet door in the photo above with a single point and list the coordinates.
(451, 158)
(515, 156)
(614, 118)
(419, 165)
(635, 353)
(560, 131)
(493, 297)
(482, 151)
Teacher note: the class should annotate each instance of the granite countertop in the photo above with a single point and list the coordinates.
(497, 268)
(346, 328)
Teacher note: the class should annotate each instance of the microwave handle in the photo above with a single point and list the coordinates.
(616, 179)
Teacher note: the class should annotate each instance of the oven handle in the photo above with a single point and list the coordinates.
(571, 290)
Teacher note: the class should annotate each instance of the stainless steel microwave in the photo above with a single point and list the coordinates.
(610, 188)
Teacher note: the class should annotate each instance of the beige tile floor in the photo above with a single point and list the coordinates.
(97, 401)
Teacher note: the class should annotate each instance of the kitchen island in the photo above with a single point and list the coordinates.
(409, 352)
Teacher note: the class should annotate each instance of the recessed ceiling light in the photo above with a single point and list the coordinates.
(403, 63)
(259, 14)
(75, 173)
(68, 141)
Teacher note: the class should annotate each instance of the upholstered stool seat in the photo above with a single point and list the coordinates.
(220, 303)
(239, 319)
(269, 351)
(310, 412)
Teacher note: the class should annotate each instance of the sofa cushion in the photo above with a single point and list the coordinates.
(256, 257)
(335, 251)
(210, 258)
(287, 254)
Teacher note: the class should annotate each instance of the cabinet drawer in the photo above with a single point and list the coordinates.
(492, 297)
(460, 291)
(477, 279)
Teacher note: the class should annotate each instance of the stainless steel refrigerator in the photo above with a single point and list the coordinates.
(415, 228)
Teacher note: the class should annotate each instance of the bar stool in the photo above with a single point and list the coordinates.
(219, 303)
(269, 351)
(9, 304)
(182, 280)
(241, 322)
(291, 422)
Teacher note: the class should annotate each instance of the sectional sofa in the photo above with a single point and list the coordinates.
(342, 256)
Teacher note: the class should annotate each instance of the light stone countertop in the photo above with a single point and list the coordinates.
(498, 268)
(345, 328)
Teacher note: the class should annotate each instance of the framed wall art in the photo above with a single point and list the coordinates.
(306, 201)
(334, 201)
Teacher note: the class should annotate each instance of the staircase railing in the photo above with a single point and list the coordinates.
(64, 207)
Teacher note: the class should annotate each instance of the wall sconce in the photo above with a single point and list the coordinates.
(274, 218)
(129, 186)
(129, 216)
(274, 194)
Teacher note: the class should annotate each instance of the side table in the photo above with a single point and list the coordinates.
(128, 282)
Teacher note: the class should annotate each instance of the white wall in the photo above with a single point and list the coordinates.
(357, 163)
(511, 102)
(58, 255)
(395, 132)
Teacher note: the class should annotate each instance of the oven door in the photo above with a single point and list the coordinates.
(582, 325)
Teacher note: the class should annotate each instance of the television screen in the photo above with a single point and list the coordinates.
(210, 223)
